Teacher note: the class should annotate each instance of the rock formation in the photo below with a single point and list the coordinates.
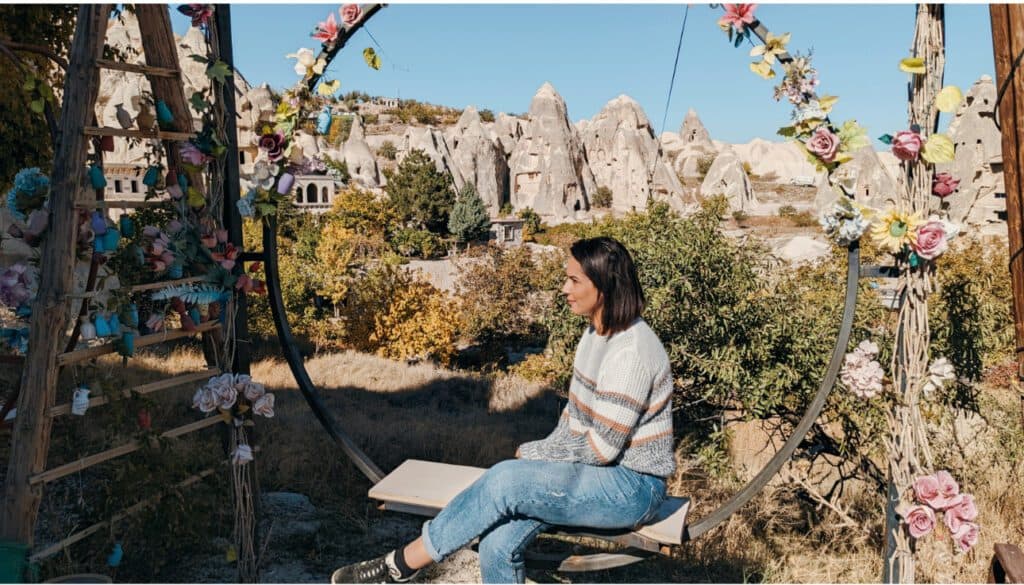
(431, 141)
(548, 167)
(362, 166)
(507, 130)
(624, 157)
(480, 161)
(873, 184)
(776, 161)
(727, 177)
(978, 143)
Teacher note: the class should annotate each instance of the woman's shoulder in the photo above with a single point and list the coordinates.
(641, 340)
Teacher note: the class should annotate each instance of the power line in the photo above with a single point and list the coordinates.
(675, 67)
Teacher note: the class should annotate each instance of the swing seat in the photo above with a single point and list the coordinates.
(425, 487)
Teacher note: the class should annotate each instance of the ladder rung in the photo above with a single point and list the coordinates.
(140, 287)
(78, 355)
(161, 134)
(87, 462)
(172, 382)
(252, 257)
(133, 68)
(121, 203)
(871, 271)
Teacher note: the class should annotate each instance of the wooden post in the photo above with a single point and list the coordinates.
(1007, 44)
(30, 439)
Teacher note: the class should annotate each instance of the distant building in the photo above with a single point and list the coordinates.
(314, 193)
(506, 231)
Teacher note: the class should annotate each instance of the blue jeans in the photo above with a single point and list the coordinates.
(517, 499)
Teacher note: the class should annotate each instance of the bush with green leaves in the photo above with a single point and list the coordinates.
(531, 222)
(411, 242)
(602, 198)
(704, 164)
(469, 220)
(388, 150)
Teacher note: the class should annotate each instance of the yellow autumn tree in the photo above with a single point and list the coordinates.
(419, 323)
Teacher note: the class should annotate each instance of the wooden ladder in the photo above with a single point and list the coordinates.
(49, 348)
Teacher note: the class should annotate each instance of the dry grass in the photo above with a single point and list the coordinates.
(395, 411)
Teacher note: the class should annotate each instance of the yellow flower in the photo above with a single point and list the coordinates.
(895, 229)
(772, 47)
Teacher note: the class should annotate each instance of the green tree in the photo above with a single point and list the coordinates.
(422, 195)
(28, 138)
(469, 219)
(602, 197)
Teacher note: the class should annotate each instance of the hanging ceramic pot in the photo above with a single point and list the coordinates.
(323, 121)
(132, 315)
(111, 239)
(163, 113)
(107, 143)
(96, 177)
(117, 553)
(86, 329)
(127, 345)
(98, 223)
(284, 184)
(193, 313)
(183, 182)
(114, 322)
(175, 270)
(152, 176)
(101, 325)
(80, 400)
(99, 245)
(127, 225)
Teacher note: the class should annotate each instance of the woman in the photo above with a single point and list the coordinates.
(604, 466)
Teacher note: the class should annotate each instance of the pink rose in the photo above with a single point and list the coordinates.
(906, 145)
(222, 235)
(931, 240)
(926, 489)
(948, 490)
(350, 14)
(920, 520)
(967, 536)
(204, 400)
(961, 510)
(192, 155)
(944, 184)
(823, 144)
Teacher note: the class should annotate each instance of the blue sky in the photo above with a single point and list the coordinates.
(497, 55)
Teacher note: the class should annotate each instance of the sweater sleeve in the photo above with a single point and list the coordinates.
(623, 387)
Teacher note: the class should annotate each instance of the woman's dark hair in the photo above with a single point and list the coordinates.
(609, 266)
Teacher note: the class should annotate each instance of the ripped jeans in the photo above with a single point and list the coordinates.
(517, 499)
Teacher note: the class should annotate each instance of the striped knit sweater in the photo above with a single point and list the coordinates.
(620, 405)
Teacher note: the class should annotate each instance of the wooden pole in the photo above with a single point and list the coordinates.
(30, 440)
(1007, 44)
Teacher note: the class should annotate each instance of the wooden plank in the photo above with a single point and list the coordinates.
(134, 133)
(1007, 564)
(171, 382)
(143, 341)
(30, 441)
(1007, 43)
(87, 462)
(147, 70)
(142, 287)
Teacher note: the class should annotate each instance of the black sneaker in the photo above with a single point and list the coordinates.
(379, 570)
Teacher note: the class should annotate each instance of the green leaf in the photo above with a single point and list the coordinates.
(199, 102)
(826, 102)
(371, 57)
(913, 65)
(218, 71)
(46, 92)
(853, 136)
(30, 84)
(199, 58)
(266, 208)
(885, 138)
(787, 131)
(37, 106)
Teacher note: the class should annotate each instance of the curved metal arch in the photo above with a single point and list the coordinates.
(375, 474)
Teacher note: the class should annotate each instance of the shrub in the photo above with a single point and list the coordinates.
(410, 242)
(602, 198)
(388, 150)
(787, 211)
(740, 215)
(704, 163)
(506, 209)
(469, 219)
(496, 293)
(531, 223)
(422, 195)
(486, 115)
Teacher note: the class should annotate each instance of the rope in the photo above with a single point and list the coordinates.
(1006, 82)
(675, 67)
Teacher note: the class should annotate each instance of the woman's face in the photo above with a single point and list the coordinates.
(581, 294)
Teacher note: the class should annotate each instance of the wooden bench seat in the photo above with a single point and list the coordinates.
(425, 487)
